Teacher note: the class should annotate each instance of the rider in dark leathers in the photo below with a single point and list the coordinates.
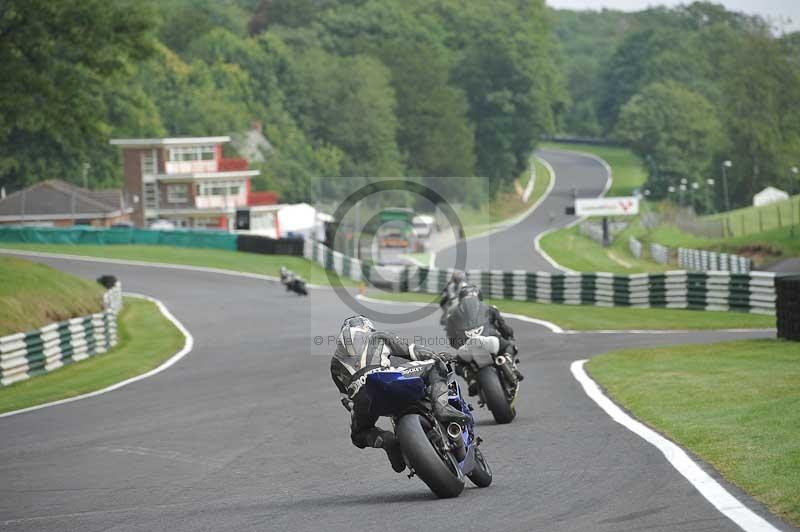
(472, 314)
(450, 293)
(361, 349)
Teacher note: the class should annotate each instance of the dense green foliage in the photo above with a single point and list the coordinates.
(341, 87)
(687, 88)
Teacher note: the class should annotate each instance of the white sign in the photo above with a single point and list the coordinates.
(607, 206)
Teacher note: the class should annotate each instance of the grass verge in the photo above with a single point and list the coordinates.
(627, 169)
(33, 295)
(505, 207)
(146, 339)
(577, 252)
(736, 405)
(209, 258)
(589, 318)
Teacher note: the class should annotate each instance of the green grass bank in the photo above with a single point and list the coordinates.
(736, 405)
(33, 295)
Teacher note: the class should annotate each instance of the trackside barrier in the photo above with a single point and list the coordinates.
(659, 253)
(746, 292)
(788, 307)
(117, 235)
(702, 260)
(25, 355)
(635, 247)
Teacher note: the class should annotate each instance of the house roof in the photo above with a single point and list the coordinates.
(59, 199)
(178, 141)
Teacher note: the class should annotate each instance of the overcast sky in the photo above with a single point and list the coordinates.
(775, 10)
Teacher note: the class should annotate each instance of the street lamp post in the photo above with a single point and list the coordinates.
(709, 183)
(726, 164)
(794, 171)
(682, 188)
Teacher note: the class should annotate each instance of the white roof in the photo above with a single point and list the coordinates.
(178, 141)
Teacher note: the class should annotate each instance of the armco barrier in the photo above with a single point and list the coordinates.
(750, 292)
(24, 355)
(117, 235)
(788, 307)
(702, 260)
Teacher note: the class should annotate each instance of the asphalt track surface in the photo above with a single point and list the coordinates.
(247, 433)
(512, 248)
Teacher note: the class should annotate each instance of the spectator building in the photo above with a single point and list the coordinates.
(187, 181)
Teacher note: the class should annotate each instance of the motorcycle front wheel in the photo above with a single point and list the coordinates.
(439, 471)
(481, 474)
(495, 396)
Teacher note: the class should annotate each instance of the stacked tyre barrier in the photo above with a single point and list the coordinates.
(25, 355)
(636, 247)
(753, 292)
(788, 307)
(702, 260)
(659, 253)
(746, 292)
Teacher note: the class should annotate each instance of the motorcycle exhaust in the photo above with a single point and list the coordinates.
(504, 363)
(500, 360)
(454, 433)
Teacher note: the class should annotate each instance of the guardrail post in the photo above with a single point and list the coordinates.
(788, 307)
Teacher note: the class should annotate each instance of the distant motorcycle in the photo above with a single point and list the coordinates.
(440, 456)
(293, 283)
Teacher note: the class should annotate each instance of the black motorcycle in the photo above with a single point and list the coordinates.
(489, 371)
(293, 283)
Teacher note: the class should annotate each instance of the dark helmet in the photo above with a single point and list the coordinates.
(355, 342)
(470, 290)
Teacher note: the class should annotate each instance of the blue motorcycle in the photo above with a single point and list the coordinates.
(441, 456)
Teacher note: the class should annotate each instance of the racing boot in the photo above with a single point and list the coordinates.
(388, 442)
(441, 407)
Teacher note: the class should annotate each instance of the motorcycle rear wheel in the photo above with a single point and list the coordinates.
(445, 479)
(495, 396)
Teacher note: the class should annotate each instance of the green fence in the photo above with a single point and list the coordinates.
(117, 235)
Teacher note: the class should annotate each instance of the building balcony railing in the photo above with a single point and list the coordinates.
(232, 165)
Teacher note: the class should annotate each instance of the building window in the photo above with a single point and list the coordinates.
(205, 152)
(218, 188)
(177, 193)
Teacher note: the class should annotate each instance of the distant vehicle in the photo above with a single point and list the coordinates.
(127, 225)
(423, 225)
(162, 225)
(394, 239)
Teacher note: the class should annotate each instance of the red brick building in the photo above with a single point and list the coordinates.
(185, 180)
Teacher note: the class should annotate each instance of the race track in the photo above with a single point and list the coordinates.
(247, 433)
(513, 248)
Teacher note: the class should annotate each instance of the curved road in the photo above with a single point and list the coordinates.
(512, 248)
(246, 433)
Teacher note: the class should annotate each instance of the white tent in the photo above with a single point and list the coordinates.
(769, 195)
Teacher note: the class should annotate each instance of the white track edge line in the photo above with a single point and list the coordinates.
(536, 241)
(185, 350)
(544, 323)
(709, 488)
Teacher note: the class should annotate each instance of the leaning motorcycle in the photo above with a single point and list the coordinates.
(493, 373)
(490, 373)
(441, 456)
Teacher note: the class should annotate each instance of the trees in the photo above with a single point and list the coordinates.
(675, 128)
(61, 61)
